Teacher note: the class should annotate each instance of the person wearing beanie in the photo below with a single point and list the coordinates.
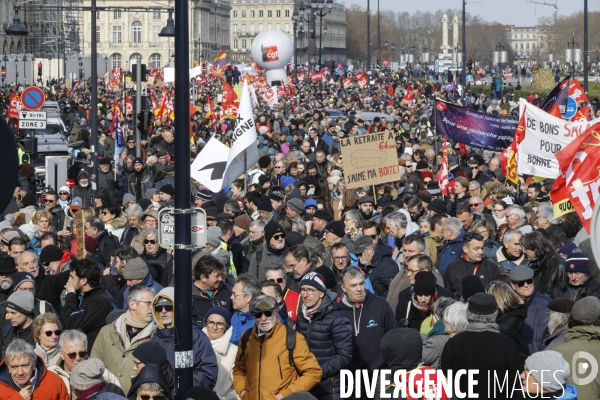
(264, 164)
(83, 189)
(558, 322)
(20, 308)
(294, 208)
(203, 198)
(107, 179)
(273, 252)
(202, 393)
(31, 380)
(88, 375)
(421, 303)
(334, 232)
(214, 246)
(144, 385)
(481, 346)
(327, 330)
(167, 193)
(265, 210)
(471, 284)
(205, 362)
(241, 228)
(578, 282)
(54, 260)
(136, 273)
(545, 375)
(7, 271)
(522, 281)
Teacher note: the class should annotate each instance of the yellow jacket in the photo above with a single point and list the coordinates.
(269, 371)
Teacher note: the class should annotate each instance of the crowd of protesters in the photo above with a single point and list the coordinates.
(301, 277)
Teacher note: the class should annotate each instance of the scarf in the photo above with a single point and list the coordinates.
(508, 256)
(423, 308)
(309, 312)
(91, 391)
(438, 329)
(481, 327)
(277, 252)
(127, 323)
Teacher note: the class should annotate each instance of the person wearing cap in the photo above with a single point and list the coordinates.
(472, 262)
(376, 261)
(545, 375)
(20, 308)
(366, 207)
(107, 180)
(138, 181)
(578, 283)
(264, 354)
(83, 188)
(205, 361)
(88, 375)
(558, 322)
(333, 233)
(548, 267)
(24, 375)
(116, 341)
(583, 335)
(320, 220)
(522, 281)
(7, 271)
(273, 252)
(473, 349)
(327, 330)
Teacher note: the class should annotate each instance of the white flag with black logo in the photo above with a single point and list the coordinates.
(215, 167)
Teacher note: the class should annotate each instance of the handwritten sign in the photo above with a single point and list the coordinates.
(79, 234)
(370, 159)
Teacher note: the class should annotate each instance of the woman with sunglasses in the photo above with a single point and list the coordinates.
(153, 253)
(46, 331)
(64, 196)
(114, 220)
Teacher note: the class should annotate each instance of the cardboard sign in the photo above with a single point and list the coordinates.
(370, 159)
(79, 234)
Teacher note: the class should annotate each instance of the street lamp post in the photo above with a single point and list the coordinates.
(368, 35)
(321, 8)
(24, 66)
(295, 21)
(571, 45)
(499, 50)
(585, 46)
(17, 70)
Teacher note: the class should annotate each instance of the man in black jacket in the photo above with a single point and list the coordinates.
(377, 263)
(87, 303)
(106, 180)
(578, 283)
(58, 214)
(548, 267)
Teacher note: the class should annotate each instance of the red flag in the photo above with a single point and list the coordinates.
(229, 95)
(210, 110)
(231, 111)
(583, 114)
(163, 103)
(362, 81)
(442, 175)
(316, 76)
(409, 94)
(576, 92)
(192, 112)
(555, 111)
(513, 149)
(128, 106)
(462, 148)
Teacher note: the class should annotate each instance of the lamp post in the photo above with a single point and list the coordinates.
(499, 50)
(571, 45)
(585, 46)
(368, 35)
(321, 8)
(295, 21)
(17, 70)
(393, 47)
(24, 71)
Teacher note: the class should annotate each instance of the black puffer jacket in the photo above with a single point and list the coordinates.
(590, 287)
(548, 273)
(329, 337)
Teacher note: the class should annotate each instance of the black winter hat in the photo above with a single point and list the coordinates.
(328, 275)
(151, 353)
(471, 284)
(271, 229)
(264, 204)
(50, 253)
(424, 283)
(482, 304)
(438, 206)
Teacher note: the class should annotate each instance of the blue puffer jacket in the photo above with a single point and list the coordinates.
(329, 337)
(450, 252)
(536, 321)
(382, 270)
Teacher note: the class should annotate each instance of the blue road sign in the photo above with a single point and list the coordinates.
(571, 108)
(33, 98)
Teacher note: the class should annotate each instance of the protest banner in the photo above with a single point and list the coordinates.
(79, 234)
(473, 128)
(545, 135)
(370, 159)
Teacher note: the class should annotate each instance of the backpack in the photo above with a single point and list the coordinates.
(103, 241)
(290, 343)
(229, 73)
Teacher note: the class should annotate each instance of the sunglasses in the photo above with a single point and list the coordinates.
(165, 308)
(279, 236)
(528, 282)
(278, 280)
(150, 241)
(104, 213)
(56, 332)
(148, 397)
(259, 315)
(82, 354)
(48, 201)
(46, 264)
(474, 205)
(426, 181)
(63, 193)
(131, 141)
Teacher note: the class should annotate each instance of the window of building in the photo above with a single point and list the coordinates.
(235, 44)
(155, 60)
(526, 36)
(116, 60)
(243, 28)
(521, 36)
(278, 13)
(235, 28)
(117, 14)
(136, 29)
(251, 13)
(261, 13)
(97, 34)
(533, 46)
(243, 13)
(287, 28)
(527, 54)
(156, 14)
(527, 45)
(260, 28)
(269, 13)
(252, 28)
(116, 34)
(521, 46)
(287, 13)
(155, 31)
(235, 14)
(516, 46)
(97, 14)
(533, 36)
(243, 43)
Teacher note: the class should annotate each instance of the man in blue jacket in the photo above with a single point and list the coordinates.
(377, 262)
(136, 273)
(245, 289)
(453, 234)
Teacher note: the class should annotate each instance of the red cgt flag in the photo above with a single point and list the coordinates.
(576, 92)
(583, 114)
(229, 95)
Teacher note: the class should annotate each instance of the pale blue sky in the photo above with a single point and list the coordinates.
(509, 12)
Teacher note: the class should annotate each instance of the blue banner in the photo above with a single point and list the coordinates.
(474, 128)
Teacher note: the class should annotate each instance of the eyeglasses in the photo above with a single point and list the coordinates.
(528, 282)
(279, 236)
(259, 315)
(308, 291)
(412, 271)
(498, 210)
(408, 166)
(48, 201)
(278, 280)
(154, 397)
(130, 141)
(473, 205)
(163, 308)
(56, 332)
(219, 325)
(148, 303)
(150, 241)
(46, 263)
(341, 258)
(63, 193)
(81, 354)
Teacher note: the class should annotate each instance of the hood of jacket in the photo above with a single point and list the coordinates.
(583, 332)
(169, 294)
(459, 238)
(119, 222)
(380, 253)
(409, 355)
(7, 379)
(150, 373)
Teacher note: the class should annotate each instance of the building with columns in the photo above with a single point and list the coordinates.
(251, 17)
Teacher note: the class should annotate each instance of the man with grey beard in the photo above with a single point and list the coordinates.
(7, 270)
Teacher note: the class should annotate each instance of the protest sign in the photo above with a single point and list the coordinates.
(473, 128)
(370, 159)
(545, 135)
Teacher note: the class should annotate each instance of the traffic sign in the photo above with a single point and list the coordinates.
(166, 228)
(469, 78)
(571, 108)
(33, 98)
(25, 124)
(32, 115)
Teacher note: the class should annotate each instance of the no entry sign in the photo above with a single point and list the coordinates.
(33, 98)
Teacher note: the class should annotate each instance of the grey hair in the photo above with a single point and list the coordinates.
(496, 161)
(300, 225)
(150, 231)
(430, 151)
(26, 252)
(351, 273)
(355, 216)
(151, 387)
(455, 316)
(546, 211)
(398, 219)
(136, 293)
(20, 348)
(557, 320)
(453, 224)
(441, 304)
(134, 209)
(297, 154)
(484, 319)
(476, 184)
(72, 336)
(151, 158)
(518, 210)
(250, 286)
(509, 233)
(259, 224)
(276, 266)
